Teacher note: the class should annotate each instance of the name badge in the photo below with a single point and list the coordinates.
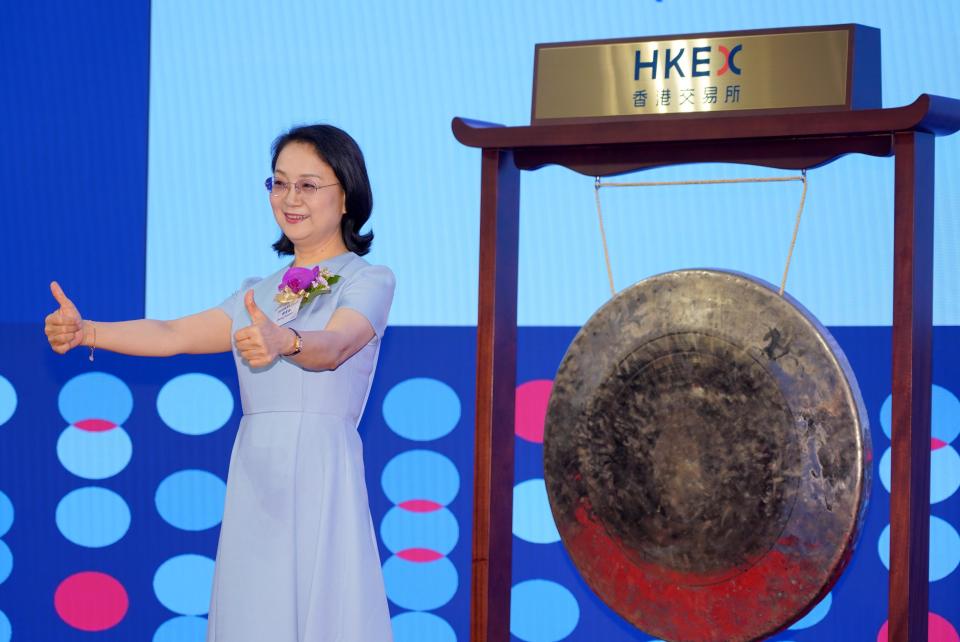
(286, 312)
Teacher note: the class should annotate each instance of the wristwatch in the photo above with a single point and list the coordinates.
(297, 343)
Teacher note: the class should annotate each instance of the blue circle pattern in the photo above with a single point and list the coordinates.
(6, 562)
(944, 551)
(6, 513)
(6, 557)
(195, 404)
(403, 529)
(944, 548)
(944, 472)
(95, 395)
(183, 583)
(532, 518)
(420, 474)
(185, 628)
(414, 626)
(93, 517)
(945, 414)
(421, 409)
(94, 455)
(191, 500)
(420, 586)
(542, 611)
(8, 406)
(8, 401)
(815, 616)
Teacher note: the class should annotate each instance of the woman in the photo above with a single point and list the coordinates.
(297, 558)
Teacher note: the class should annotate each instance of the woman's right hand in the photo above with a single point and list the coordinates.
(64, 327)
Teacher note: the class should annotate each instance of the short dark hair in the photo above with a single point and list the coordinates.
(343, 155)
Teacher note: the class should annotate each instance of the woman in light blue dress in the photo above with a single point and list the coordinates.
(297, 559)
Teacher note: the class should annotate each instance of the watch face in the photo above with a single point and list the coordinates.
(297, 343)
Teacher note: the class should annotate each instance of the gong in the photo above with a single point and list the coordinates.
(706, 456)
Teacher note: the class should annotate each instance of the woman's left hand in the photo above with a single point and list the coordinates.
(262, 342)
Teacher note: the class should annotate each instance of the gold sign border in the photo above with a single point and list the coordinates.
(865, 49)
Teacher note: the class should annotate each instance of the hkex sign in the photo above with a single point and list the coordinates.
(697, 63)
(800, 68)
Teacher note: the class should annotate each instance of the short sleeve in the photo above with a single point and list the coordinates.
(370, 292)
(230, 304)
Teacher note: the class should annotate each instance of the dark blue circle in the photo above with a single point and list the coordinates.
(8, 400)
(421, 409)
(183, 583)
(420, 474)
(191, 499)
(414, 626)
(195, 404)
(94, 455)
(436, 530)
(6, 562)
(95, 395)
(185, 628)
(93, 517)
(542, 611)
(6, 513)
(420, 586)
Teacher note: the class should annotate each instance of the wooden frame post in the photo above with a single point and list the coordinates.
(912, 380)
(783, 140)
(496, 383)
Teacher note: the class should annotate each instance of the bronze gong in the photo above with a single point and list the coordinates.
(706, 456)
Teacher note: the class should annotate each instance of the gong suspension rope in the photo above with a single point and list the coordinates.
(715, 181)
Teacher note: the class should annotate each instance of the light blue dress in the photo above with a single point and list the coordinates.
(297, 559)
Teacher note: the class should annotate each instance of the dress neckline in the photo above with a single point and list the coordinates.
(333, 263)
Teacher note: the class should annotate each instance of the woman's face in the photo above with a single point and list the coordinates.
(310, 210)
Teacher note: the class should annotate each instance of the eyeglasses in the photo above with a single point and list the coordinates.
(278, 188)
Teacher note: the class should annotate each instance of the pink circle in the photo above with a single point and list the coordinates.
(531, 409)
(939, 630)
(419, 555)
(95, 425)
(91, 601)
(420, 505)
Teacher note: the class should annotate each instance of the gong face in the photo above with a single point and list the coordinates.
(705, 456)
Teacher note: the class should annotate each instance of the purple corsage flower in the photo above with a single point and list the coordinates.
(301, 284)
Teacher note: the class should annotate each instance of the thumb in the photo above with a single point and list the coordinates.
(59, 295)
(256, 315)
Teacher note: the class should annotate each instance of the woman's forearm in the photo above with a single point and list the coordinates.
(143, 337)
(320, 350)
(203, 333)
(345, 335)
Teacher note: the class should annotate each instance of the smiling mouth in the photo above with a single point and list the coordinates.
(295, 218)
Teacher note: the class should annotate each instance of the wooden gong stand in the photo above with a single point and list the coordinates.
(785, 140)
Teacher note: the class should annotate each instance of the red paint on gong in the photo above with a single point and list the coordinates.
(769, 588)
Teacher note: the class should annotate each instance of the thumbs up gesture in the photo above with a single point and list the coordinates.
(261, 342)
(64, 326)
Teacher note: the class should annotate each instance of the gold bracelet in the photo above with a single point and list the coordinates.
(94, 345)
(297, 344)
